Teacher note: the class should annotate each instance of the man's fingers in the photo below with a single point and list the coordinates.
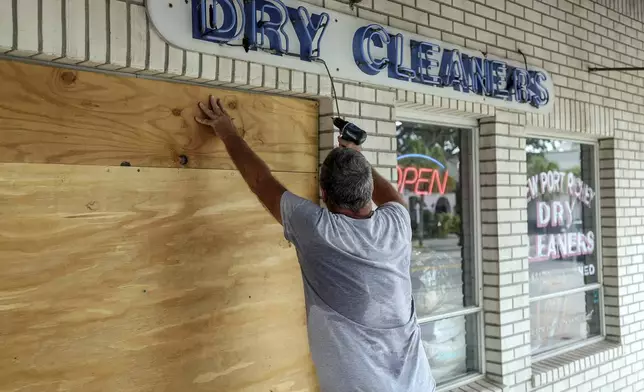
(214, 105)
(221, 107)
(213, 111)
(206, 111)
(203, 121)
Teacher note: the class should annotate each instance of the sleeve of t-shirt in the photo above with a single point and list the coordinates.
(399, 215)
(299, 217)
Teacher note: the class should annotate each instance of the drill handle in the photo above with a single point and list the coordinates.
(350, 132)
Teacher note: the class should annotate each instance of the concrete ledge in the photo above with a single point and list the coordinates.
(574, 363)
(473, 383)
(478, 386)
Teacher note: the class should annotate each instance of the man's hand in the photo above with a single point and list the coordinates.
(348, 144)
(254, 171)
(216, 117)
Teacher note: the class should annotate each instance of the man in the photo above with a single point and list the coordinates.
(362, 326)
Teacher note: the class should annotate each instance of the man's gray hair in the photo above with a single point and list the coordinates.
(346, 179)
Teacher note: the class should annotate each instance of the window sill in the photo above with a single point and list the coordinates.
(553, 369)
(474, 383)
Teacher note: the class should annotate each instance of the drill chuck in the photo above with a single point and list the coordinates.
(349, 131)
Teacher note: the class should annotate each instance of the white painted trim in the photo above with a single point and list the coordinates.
(434, 118)
(443, 316)
(557, 134)
(576, 290)
(599, 245)
(478, 242)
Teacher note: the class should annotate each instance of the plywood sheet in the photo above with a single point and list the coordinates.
(53, 115)
(125, 279)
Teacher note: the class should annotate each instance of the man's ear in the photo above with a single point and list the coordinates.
(324, 197)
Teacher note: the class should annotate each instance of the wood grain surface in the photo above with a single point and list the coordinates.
(53, 115)
(153, 279)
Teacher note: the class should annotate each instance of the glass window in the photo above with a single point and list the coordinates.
(565, 290)
(435, 175)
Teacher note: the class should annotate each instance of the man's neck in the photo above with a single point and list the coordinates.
(363, 213)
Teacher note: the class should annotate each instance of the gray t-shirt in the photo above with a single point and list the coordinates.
(362, 325)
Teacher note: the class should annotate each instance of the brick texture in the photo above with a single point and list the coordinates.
(504, 240)
(563, 36)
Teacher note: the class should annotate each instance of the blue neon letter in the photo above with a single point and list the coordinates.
(364, 37)
(309, 30)
(479, 76)
(272, 28)
(220, 22)
(496, 79)
(395, 54)
(452, 72)
(540, 95)
(520, 79)
(422, 65)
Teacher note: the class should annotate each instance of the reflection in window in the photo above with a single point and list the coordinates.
(447, 343)
(564, 273)
(435, 177)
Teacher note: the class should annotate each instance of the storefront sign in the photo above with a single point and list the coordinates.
(293, 35)
(423, 181)
(559, 213)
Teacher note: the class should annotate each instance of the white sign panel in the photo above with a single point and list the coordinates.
(298, 36)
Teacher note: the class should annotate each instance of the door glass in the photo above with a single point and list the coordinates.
(434, 176)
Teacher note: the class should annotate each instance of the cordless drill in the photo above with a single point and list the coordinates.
(350, 132)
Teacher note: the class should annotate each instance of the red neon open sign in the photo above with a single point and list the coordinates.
(422, 180)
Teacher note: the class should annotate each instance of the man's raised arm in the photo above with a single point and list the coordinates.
(384, 192)
(252, 168)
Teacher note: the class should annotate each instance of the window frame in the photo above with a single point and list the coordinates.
(472, 126)
(532, 132)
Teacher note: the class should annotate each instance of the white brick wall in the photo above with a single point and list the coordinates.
(138, 36)
(118, 34)
(27, 31)
(502, 150)
(97, 33)
(563, 36)
(75, 30)
(52, 42)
